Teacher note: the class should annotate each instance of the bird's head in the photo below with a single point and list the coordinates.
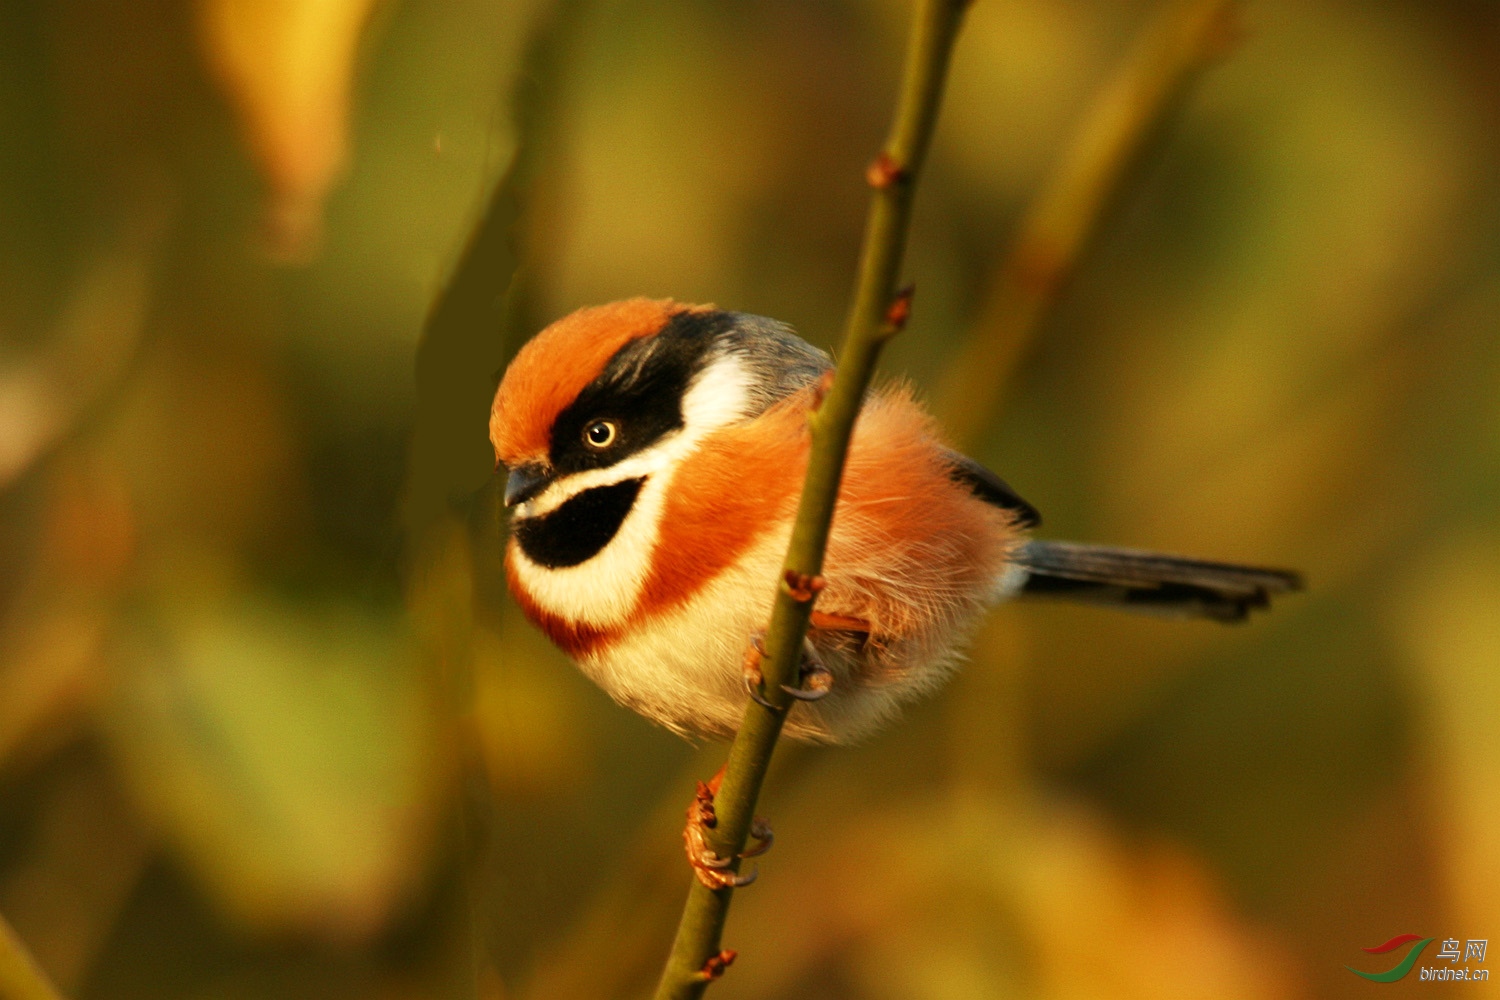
(606, 399)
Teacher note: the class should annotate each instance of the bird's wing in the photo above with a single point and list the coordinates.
(992, 489)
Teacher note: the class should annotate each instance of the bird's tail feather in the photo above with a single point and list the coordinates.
(1149, 582)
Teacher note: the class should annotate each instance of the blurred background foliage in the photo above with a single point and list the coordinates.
(269, 729)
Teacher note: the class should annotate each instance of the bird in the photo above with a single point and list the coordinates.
(654, 454)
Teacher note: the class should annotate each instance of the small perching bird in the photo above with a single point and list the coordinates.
(656, 453)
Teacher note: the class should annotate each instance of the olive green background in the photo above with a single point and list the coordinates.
(268, 727)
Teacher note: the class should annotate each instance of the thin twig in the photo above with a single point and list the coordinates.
(20, 976)
(877, 312)
(1065, 216)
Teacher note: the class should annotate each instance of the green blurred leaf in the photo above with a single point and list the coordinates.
(284, 752)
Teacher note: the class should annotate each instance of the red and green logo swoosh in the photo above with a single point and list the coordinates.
(1405, 964)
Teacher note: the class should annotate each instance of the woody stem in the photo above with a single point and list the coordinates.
(878, 311)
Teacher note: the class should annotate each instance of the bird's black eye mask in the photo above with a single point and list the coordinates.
(640, 392)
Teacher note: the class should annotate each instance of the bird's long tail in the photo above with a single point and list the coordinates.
(1149, 582)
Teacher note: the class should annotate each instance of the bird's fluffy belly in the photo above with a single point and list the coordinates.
(683, 668)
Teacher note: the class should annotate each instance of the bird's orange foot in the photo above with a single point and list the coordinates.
(709, 868)
(761, 833)
(815, 680)
(755, 652)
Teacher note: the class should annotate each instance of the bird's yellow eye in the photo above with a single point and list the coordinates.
(600, 434)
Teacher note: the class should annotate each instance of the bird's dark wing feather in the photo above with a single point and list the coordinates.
(992, 489)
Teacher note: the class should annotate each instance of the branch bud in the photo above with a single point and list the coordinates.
(885, 171)
(716, 964)
(802, 587)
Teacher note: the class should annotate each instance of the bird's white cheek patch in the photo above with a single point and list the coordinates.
(720, 396)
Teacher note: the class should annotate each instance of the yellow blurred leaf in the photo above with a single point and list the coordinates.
(288, 65)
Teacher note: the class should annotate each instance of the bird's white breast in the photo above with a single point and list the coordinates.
(682, 668)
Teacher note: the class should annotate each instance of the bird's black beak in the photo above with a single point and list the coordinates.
(525, 482)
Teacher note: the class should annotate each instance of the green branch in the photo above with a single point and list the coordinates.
(877, 312)
(20, 977)
(1112, 140)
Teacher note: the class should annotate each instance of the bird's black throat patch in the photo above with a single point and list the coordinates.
(579, 528)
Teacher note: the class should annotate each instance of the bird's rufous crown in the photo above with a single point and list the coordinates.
(553, 367)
